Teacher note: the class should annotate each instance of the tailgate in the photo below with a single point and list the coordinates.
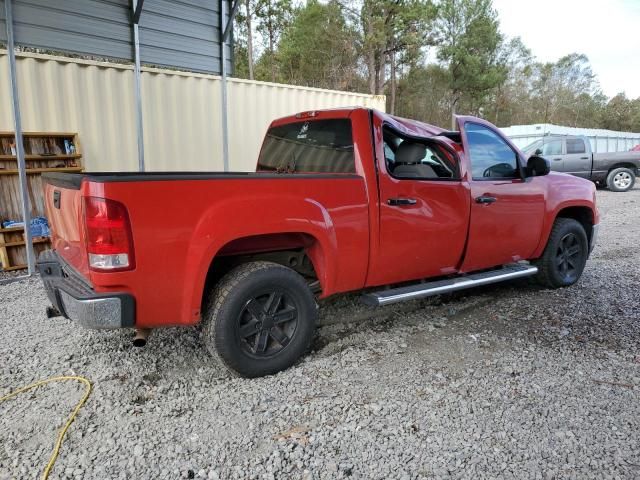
(63, 206)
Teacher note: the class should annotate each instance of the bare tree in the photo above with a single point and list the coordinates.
(249, 38)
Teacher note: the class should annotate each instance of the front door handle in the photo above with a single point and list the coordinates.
(556, 159)
(584, 158)
(486, 200)
(398, 202)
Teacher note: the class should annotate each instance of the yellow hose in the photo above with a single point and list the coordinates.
(64, 429)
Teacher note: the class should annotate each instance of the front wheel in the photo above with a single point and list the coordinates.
(621, 179)
(564, 256)
(260, 319)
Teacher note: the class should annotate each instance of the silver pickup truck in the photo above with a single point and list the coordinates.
(572, 154)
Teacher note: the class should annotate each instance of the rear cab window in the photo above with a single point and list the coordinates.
(309, 146)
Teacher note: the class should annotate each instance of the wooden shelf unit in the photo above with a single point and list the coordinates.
(31, 171)
(44, 152)
(42, 157)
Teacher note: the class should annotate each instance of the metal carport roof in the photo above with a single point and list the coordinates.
(185, 34)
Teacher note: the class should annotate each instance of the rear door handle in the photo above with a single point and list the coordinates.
(486, 199)
(398, 202)
(556, 159)
(584, 158)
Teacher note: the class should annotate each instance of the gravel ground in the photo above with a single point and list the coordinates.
(510, 381)
(11, 275)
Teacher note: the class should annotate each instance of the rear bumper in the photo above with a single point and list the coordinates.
(74, 297)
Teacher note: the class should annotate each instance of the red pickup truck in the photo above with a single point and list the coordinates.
(342, 200)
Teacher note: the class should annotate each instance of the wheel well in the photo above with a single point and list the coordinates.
(630, 166)
(584, 215)
(288, 249)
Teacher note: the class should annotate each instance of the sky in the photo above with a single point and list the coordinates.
(606, 31)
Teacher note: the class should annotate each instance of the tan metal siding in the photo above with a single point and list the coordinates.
(181, 122)
(182, 118)
(253, 105)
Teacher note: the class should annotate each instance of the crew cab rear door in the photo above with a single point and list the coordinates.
(423, 209)
(577, 160)
(507, 209)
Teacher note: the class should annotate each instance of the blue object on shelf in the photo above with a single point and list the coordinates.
(39, 226)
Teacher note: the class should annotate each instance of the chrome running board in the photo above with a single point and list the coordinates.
(428, 289)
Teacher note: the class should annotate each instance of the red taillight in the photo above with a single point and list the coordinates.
(108, 235)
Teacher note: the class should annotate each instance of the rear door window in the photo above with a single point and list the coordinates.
(417, 159)
(322, 146)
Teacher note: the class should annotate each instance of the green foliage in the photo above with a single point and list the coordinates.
(396, 31)
(430, 57)
(319, 49)
(469, 42)
(240, 62)
(423, 94)
(622, 114)
(274, 17)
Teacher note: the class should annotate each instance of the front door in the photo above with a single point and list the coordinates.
(424, 210)
(552, 151)
(506, 209)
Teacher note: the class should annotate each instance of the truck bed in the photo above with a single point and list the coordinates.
(74, 180)
(181, 220)
(633, 157)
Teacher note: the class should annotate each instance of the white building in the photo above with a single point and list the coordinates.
(601, 140)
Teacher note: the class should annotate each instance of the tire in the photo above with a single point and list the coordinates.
(621, 179)
(260, 319)
(565, 255)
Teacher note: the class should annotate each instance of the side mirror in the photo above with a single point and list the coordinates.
(538, 151)
(537, 166)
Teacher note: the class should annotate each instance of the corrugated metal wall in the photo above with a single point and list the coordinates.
(182, 34)
(181, 111)
(601, 140)
(3, 27)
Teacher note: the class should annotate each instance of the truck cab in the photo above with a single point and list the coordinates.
(568, 154)
(573, 154)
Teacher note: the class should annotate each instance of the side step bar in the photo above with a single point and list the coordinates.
(428, 289)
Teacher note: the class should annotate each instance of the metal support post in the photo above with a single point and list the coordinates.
(22, 170)
(223, 85)
(137, 8)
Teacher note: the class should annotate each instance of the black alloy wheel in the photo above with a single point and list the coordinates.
(569, 258)
(565, 255)
(267, 323)
(260, 319)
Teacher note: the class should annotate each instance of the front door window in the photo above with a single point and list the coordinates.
(490, 155)
(554, 147)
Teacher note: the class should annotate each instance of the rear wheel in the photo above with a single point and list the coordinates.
(564, 256)
(621, 179)
(260, 320)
